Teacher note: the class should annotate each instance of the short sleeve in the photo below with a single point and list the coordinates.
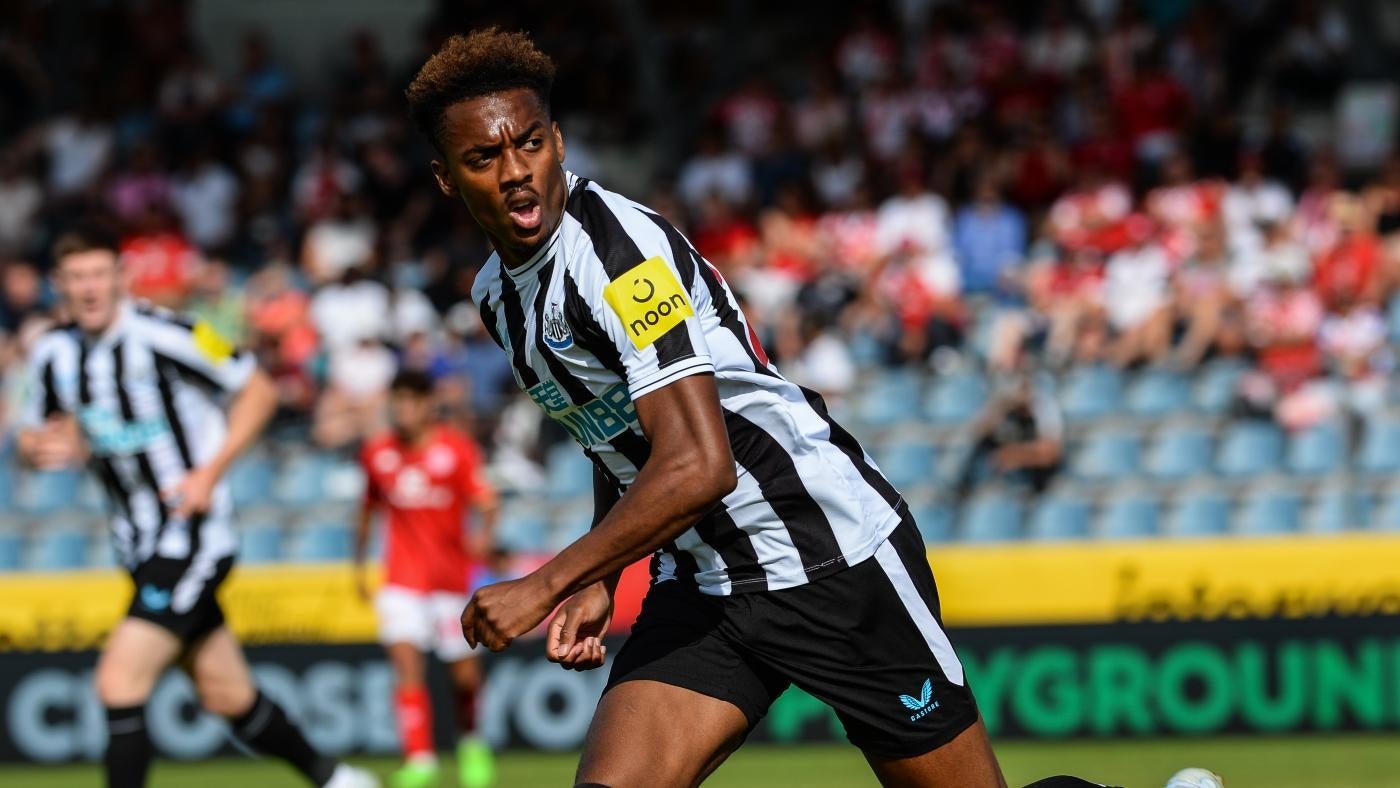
(40, 398)
(201, 353)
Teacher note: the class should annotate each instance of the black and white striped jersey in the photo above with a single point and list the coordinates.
(147, 396)
(617, 304)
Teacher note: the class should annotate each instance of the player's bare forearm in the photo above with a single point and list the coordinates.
(248, 414)
(690, 469)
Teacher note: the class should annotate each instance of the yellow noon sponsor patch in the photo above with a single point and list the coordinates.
(208, 342)
(650, 301)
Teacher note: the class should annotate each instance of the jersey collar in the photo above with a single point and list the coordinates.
(114, 329)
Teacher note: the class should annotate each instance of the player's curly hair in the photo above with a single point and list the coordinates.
(484, 61)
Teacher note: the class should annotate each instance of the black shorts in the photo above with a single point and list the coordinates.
(178, 594)
(868, 641)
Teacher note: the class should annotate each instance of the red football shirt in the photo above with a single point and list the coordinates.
(426, 493)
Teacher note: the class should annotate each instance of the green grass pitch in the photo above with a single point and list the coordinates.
(1291, 762)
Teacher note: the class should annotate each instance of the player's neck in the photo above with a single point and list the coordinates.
(415, 440)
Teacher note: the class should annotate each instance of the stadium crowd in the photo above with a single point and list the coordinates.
(934, 187)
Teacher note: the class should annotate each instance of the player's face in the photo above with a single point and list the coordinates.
(503, 156)
(410, 412)
(91, 284)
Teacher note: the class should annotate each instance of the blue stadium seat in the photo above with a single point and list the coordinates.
(1337, 508)
(1201, 512)
(59, 549)
(1157, 393)
(936, 521)
(1090, 393)
(323, 541)
(90, 497)
(9, 482)
(1179, 452)
(1060, 517)
(907, 463)
(568, 472)
(866, 350)
(1271, 510)
(1317, 450)
(992, 517)
(1249, 449)
(1106, 455)
(301, 480)
(1393, 318)
(250, 481)
(11, 551)
(1215, 386)
(1380, 446)
(956, 399)
(522, 528)
(45, 492)
(1129, 516)
(889, 399)
(260, 544)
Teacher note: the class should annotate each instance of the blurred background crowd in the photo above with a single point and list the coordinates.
(1020, 246)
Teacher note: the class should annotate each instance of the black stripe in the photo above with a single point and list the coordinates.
(51, 402)
(627, 443)
(588, 332)
(776, 473)
(515, 329)
(105, 470)
(725, 310)
(194, 375)
(686, 566)
(849, 446)
(734, 546)
(143, 462)
(165, 370)
(488, 319)
(620, 254)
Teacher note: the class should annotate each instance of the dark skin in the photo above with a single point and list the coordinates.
(502, 155)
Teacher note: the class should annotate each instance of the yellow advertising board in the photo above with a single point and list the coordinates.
(985, 585)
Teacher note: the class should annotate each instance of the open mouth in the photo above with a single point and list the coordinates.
(524, 209)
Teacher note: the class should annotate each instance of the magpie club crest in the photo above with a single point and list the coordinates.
(556, 329)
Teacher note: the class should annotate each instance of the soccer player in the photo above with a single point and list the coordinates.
(426, 475)
(160, 407)
(781, 555)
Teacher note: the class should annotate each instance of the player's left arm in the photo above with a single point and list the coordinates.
(482, 498)
(690, 469)
(210, 360)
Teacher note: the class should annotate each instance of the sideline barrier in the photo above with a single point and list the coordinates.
(1124, 639)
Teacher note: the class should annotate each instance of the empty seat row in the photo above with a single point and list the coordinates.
(1205, 511)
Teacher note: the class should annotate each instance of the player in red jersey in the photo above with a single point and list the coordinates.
(426, 476)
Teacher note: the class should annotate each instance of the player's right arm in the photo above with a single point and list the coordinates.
(48, 435)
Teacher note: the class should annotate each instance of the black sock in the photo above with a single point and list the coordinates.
(265, 728)
(129, 750)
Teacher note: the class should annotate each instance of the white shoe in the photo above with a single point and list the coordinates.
(347, 776)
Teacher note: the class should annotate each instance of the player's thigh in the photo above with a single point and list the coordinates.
(219, 669)
(647, 733)
(965, 762)
(135, 655)
(406, 630)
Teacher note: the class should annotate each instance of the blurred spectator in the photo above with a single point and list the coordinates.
(989, 239)
(866, 54)
(1253, 201)
(750, 115)
(140, 186)
(821, 118)
(470, 371)
(21, 296)
(342, 241)
(350, 311)
(159, 261)
(1351, 270)
(323, 180)
(205, 195)
(1136, 299)
(1017, 438)
(217, 301)
(79, 146)
(1059, 47)
(1203, 296)
(815, 356)
(915, 220)
(21, 198)
(260, 82)
(1151, 107)
(714, 170)
(357, 384)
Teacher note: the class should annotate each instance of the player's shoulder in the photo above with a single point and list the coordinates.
(607, 233)
(378, 442)
(148, 314)
(487, 281)
(459, 441)
(53, 339)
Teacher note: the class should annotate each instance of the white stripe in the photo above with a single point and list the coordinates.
(712, 569)
(914, 604)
